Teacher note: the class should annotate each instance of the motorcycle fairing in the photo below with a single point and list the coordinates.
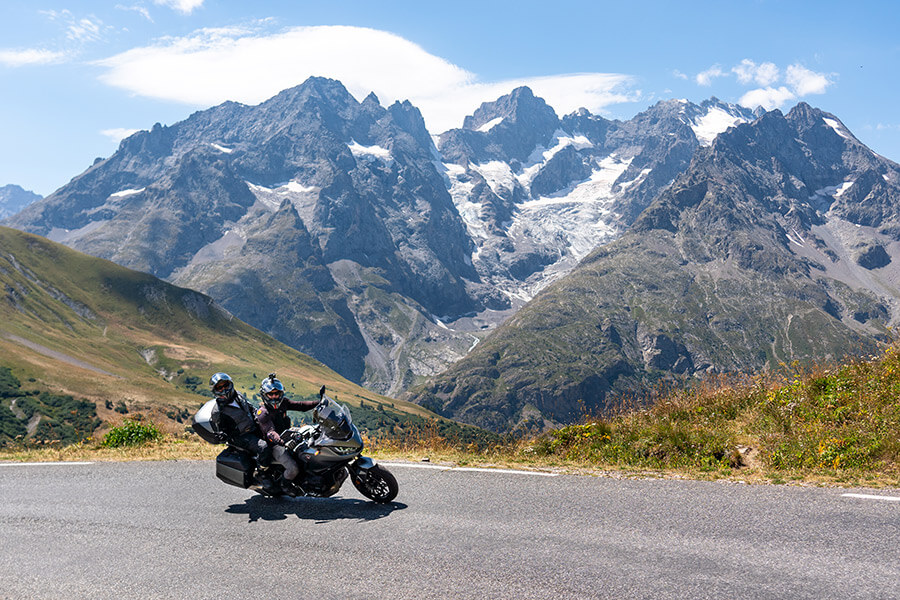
(202, 424)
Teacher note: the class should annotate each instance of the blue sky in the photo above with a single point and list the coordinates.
(77, 76)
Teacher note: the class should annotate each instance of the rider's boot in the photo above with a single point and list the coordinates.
(287, 486)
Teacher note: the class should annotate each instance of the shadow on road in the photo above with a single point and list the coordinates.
(321, 510)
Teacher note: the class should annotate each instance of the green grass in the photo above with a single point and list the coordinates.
(825, 421)
(131, 433)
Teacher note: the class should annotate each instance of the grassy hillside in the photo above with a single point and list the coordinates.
(838, 422)
(78, 327)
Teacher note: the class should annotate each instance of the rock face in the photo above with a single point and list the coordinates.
(775, 244)
(255, 205)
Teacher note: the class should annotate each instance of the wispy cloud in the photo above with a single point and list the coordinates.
(749, 72)
(706, 77)
(248, 65)
(118, 134)
(183, 6)
(21, 58)
(83, 29)
(138, 9)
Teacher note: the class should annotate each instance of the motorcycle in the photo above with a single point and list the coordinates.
(327, 451)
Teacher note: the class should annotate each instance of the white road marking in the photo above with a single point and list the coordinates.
(872, 497)
(41, 464)
(481, 470)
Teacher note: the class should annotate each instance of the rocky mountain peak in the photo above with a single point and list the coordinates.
(520, 106)
(509, 128)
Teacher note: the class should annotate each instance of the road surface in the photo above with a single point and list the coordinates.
(172, 530)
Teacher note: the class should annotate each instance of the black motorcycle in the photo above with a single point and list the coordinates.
(327, 451)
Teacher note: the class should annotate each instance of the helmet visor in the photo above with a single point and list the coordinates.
(274, 397)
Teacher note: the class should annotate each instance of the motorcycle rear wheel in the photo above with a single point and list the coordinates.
(376, 484)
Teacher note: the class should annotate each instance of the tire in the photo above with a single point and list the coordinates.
(376, 484)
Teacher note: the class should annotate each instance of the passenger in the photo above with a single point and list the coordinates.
(273, 420)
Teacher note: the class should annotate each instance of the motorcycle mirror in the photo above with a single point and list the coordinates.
(321, 392)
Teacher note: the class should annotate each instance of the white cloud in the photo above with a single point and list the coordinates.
(118, 134)
(84, 30)
(243, 65)
(805, 81)
(21, 58)
(138, 9)
(705, 78)
(183, 6)
(768, 98)
(764, 74)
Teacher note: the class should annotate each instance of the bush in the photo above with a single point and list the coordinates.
(131, 433)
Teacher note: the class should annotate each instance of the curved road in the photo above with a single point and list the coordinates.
(171, 530)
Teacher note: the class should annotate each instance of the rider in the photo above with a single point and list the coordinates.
(233, 418)
(273, 419)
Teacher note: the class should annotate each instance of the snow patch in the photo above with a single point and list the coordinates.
(299, 195)
(843, 188)
(460, 186)
(833, 191)
(498, 176)
(795, 238)
(124, 193)
(717, 120)
(541, 155)
(370, 152)
(627, 184)
(490, 124)
(293, 186)
(838, 128)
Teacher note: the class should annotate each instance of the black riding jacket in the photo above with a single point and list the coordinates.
(234, 416)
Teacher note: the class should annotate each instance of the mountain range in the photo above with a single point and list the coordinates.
(779, 242)
(14, 198)
(689, 239)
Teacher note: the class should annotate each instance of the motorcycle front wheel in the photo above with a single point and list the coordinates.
(376, 484)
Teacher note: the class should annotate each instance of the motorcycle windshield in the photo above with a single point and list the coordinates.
(334, 419)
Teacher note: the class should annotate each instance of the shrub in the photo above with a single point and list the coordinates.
(131, 433)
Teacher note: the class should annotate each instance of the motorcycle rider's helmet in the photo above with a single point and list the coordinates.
(221, 386)
(271, 391)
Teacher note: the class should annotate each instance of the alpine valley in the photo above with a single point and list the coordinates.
(514, 272)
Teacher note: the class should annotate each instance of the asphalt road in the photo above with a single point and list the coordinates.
(171, 530)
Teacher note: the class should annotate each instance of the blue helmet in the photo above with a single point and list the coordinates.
(221, 385)
(271, 391)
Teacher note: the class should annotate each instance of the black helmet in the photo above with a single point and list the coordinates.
(271, 391)
(221, 386)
